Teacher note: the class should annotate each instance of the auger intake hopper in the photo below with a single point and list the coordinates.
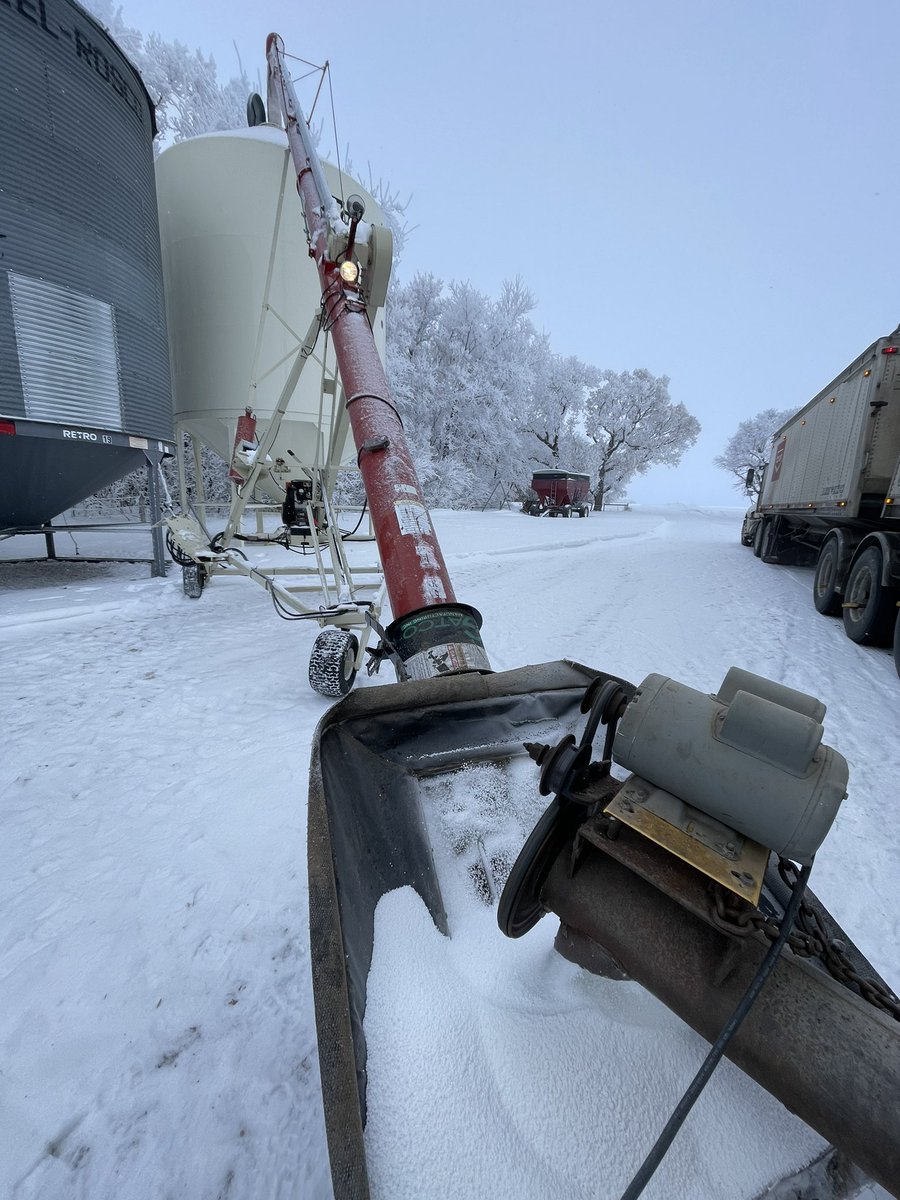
(456, 1061)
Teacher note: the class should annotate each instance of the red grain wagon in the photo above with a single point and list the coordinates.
(560, 494)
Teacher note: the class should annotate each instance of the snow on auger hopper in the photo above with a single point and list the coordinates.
(688, 875)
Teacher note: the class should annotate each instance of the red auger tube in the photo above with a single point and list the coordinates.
(431, 633)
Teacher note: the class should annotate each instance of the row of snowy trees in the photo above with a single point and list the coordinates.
(749, 448)
(485, 400)
(182, 83)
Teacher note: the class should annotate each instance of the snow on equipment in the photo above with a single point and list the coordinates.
(559, 494)
(678, 871)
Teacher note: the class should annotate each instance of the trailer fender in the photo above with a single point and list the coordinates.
(889, 545)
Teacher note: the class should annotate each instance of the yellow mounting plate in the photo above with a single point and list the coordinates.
(706, 844)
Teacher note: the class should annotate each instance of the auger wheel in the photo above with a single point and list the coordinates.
(332, 663)
(193, 580)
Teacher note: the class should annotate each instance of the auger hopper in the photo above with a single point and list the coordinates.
(675, 852)
(397, 775)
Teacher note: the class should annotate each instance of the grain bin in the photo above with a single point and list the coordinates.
(84, 376)
(241, 292)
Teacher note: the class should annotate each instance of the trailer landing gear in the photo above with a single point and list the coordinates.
(332, 664)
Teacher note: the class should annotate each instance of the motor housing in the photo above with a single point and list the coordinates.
(750, 756)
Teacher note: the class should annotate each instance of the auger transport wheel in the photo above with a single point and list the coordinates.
(332, 664)
(193, 579)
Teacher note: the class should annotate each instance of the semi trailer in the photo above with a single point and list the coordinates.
(830, 496)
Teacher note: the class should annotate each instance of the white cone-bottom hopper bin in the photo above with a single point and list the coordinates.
(242, 292)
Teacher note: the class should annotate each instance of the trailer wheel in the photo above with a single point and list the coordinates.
(193, 578)
(826, 597)
(331, 664)
(567, 511)
(868, 607)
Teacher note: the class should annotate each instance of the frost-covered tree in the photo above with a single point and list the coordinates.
(554, 414)
(633, 425)
(462, 367)
(132, 492)
(749, 446)
(182, 83)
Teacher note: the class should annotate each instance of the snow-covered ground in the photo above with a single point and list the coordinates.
(156, 1027)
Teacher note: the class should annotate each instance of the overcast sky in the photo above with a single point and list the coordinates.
(705, 188)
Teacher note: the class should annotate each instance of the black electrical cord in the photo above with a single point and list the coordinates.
(343, 533)
(286, 614)
(700, 1080)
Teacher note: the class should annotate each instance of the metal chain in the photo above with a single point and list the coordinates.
(732, 915)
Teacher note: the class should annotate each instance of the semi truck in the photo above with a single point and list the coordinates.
(830, 496)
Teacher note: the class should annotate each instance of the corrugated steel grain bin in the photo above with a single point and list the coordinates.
(84, 368)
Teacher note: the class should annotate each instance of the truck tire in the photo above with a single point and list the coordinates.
(897, 642)
(826, 597)
(869, 608)
(331, 664)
